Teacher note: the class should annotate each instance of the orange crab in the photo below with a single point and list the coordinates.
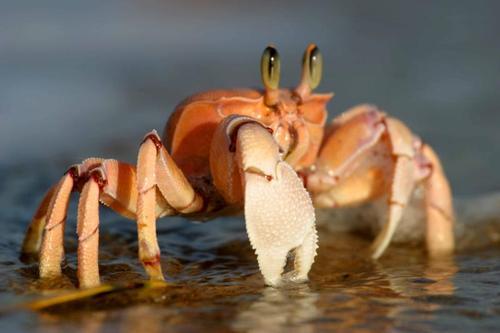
(265, 152)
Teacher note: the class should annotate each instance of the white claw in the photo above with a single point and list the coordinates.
(279, 218)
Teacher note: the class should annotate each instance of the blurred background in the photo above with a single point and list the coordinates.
(90, 78)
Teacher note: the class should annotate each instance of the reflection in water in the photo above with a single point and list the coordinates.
(432, 276)
(55, 323)
(280, 310)
(442, 270)
(94, 322)
(419, 283)
(141, 318)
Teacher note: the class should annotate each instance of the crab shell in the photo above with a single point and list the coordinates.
(297, 125)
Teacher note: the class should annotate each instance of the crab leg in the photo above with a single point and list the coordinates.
(403, 182)
(399, 195)
(52, 250)
(117, 189)
(368, 155)
(33, 239)
(88, 235)
(119, 193)
(157, 174)
(149, 251)
(247, 168)
(439, 208)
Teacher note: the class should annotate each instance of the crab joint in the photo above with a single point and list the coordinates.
(154, 137)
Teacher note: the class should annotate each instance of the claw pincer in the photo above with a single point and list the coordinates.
(279, 214)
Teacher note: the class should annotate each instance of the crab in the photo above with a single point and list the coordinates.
(264, 152)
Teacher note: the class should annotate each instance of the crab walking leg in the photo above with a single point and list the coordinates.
(149, 250)
(173, 186)
(158, 179)
(247, 169)
(401, 189)
(119, 193)
(88, 235)
(401, 142)
(439, 208)
(117, 190)
(33, 239)
(367, 155)
(52, 248)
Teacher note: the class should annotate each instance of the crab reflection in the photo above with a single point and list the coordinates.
(280, 310)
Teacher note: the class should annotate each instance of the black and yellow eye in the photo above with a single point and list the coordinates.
(270, 68)
(312, 65)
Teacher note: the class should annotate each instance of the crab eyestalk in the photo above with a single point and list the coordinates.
(312, 67)
(270, 71)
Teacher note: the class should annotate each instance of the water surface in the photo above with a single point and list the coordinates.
(215, 285)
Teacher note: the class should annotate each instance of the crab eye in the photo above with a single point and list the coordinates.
(270, 68)
(313, 65)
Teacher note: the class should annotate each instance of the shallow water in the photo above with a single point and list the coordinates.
(215, 284)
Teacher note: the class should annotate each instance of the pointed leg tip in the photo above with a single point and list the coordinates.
(377, 251)
(49, 273)
(157, 276)
(157, 283)
(155, 272)
(438, 253)
(90, 284)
